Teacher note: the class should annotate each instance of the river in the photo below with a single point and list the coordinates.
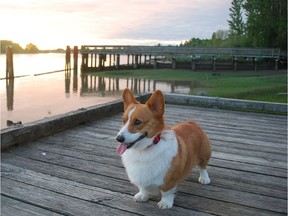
(35, 95)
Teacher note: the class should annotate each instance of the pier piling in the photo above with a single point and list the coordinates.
(75, 57)
(67, 57)
(9, 63)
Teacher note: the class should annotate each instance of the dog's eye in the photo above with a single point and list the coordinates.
(137, 122)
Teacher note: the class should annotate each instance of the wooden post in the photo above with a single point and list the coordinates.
(136, 62)
(9, 63)
(214, 63)
(110, 59)
(75, 57)
(155, 62)
(118, 61)
(193, 63)
(104, 60)
(276, 64)
(234, 63)
(254, 64)
(68, 52)
(91, 57)
(99, 60)
(173, 63)
(95, 61)
(84, 62)
(128, 56)
(75, 68)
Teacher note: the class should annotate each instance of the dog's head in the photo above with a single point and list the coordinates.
(140, 121)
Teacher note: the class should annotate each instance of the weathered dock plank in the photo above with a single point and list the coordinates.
(76, 172)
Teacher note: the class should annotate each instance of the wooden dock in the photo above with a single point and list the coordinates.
(77, 172)
(107, 57)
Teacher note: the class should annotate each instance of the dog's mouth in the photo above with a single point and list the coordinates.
(122, 147)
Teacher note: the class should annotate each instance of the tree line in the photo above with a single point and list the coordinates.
(252, 23)
(30, 48)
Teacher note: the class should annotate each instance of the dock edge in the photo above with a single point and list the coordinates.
(44, 127)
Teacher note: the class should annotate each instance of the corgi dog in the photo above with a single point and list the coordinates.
(157, 157)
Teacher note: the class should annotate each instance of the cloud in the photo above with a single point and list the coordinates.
(179, 21)
(93, 21)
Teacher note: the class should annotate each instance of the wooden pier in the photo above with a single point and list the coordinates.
(99, 58)
(77, 172)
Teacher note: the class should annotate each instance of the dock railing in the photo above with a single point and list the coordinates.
(179, 51)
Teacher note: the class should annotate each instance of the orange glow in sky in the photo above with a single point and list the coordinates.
(56, 23)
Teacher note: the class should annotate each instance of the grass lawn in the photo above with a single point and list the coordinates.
(241, 85)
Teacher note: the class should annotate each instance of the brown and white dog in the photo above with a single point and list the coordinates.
(156, 156)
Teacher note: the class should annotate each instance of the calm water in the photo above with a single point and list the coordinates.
(35, 97)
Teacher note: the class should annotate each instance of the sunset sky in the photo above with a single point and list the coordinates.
(53, 24)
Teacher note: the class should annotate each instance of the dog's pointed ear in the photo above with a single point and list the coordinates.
(156, 103)
(128, 98)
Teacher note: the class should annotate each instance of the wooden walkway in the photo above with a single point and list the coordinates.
(76, 172)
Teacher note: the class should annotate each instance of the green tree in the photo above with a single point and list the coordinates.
(197, 42)
(236, 24)
(266, 23)
(219, 37)
(16, 47)
(31, 48)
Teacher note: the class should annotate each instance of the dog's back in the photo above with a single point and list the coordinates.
(193, 147)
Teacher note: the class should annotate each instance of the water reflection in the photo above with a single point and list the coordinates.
(107, 86)
(75, 79)
(93, 85)
(67, 80)
(36, 97)
(10, 93)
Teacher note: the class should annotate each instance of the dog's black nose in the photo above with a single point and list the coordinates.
(120, 138)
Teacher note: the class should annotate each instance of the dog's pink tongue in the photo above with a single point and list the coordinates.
(121, 148)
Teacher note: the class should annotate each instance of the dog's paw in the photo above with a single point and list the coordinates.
(164, 204)
(140, 197)
(204, 181)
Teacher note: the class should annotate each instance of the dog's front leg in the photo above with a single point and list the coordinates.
(142, 195)
(167, 199)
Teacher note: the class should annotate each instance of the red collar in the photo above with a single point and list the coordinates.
(155, 140)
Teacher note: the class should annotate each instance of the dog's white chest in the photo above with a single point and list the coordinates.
(149, 167)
